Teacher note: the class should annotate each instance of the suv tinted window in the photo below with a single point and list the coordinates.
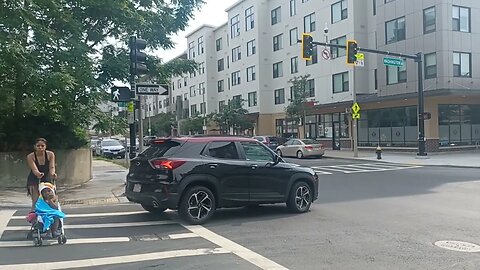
(226, 150)
(166, 148)
(256, 152)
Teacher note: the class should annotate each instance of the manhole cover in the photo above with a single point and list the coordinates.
(458, 246)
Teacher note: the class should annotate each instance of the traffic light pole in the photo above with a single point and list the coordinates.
(418, 59)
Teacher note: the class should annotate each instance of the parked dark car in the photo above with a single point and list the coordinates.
(198, 175)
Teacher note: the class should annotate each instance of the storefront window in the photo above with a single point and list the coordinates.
(458, 125)
(286, 129)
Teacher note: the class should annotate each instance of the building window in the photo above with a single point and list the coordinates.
(200, 45)
(249, 21)
(179, 82)
(193, 110)
(236, 54)
(340, 82)
(251, 74)
(461, 19)
(277, 42)
(276, 15)
(395, 30)
(339, 11)
(221, 105)
(294, 36)
(375, 79)
(294, 65)
(310, 88)
(184, 81)
(458, 124)
(220, 64)
(396, 74)
(251, 47)
(314, 57)
(193, 91)
(219, 44)
(252, 99)
(462, 64)
(221, 86)
(191, 50)
(374, 7)
(293, 7)
(201, 68)
(429, 19)
(201, 88)
(430, 65)
(277, 70)
(279, 96)
(237, 100)
(236, 78)
(338, 52)
(235, 27)
(309, 23)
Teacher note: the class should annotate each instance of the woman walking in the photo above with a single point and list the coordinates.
(42, 165)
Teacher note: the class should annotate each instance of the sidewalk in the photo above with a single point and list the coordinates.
(467, 159)
(106, 186)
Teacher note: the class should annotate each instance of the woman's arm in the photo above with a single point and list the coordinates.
(52, 169)
(33, 166)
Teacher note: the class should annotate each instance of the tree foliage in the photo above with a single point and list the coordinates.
(298, 104)
(193, 125)
(161, 124)
(59, 57)
(234, 116)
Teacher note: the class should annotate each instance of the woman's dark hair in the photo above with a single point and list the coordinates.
(41, 140)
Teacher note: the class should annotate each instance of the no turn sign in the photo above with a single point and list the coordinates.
(326, 54)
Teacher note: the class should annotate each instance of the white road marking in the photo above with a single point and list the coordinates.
(358, 168)
(7, 244)
(100, 225)
(96, 214)
(182, 235)
(235, 248)
(95, 262)
(5, 216)
(321, 172)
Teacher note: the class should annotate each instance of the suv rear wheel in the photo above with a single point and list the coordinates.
(197, 205)
(300, 197)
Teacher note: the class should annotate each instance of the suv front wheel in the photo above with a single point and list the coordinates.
(300, 197)
(197, 205)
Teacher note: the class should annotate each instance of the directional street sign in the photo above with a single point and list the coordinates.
(120, 94)
(355, 108)
(151, 89)
(394, 62)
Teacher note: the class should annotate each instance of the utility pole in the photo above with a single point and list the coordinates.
(354, 121)
(140, 119)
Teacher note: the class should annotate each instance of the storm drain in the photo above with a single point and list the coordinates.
(458, 246)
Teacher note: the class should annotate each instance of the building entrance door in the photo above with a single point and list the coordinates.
(336, 136)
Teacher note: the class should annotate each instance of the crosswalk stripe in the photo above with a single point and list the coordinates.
(95, 262)
(96, 214)
(322, 172)
(7, 244)
(100, 225)
(5, 216)
(358, 168)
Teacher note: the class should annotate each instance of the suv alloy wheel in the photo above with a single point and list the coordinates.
(197, 205)
(300, 197)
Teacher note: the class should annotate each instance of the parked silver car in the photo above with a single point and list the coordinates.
(110, 148)
(301, 148)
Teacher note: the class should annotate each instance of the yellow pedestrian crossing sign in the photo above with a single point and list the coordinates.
(355, 116)
(355, 108)
(130, 106)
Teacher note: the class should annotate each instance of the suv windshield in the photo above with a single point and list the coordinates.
(110, 143)
(166, 148)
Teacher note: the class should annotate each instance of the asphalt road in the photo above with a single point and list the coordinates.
(368, 216)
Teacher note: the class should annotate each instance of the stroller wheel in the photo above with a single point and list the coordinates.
(37, 242)
(62, 239)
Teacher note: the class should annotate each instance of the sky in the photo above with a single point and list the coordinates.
(212, 13)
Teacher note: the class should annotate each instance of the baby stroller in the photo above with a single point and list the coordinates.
(37, 233)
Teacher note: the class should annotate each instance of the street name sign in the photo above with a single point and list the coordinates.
(394, 62)
(151, 89)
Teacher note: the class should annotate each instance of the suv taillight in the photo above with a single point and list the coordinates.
(166, 164)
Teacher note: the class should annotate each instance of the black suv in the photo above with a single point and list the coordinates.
(197, 175)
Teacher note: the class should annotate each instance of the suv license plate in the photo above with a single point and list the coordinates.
(137, 187)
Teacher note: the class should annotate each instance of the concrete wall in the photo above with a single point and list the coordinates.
(73, 167)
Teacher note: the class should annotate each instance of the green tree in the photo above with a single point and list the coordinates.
(232, 115)
(298, 107)
(193, 125)
(56, 61)
(161, 124)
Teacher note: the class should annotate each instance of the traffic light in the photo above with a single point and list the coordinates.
(352, 50)
(307, 46)
(137, 57)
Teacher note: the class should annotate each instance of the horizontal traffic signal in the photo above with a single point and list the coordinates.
(307, 46)
(352, 50)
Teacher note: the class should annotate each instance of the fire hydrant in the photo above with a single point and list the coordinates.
(379, 152)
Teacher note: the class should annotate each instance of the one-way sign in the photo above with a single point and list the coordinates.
(151, 89)
(120, 94)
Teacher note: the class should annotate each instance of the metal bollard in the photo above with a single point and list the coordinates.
(379, 152)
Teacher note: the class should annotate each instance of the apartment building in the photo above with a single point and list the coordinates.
(255, 54)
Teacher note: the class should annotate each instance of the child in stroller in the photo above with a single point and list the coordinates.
(47, 221)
